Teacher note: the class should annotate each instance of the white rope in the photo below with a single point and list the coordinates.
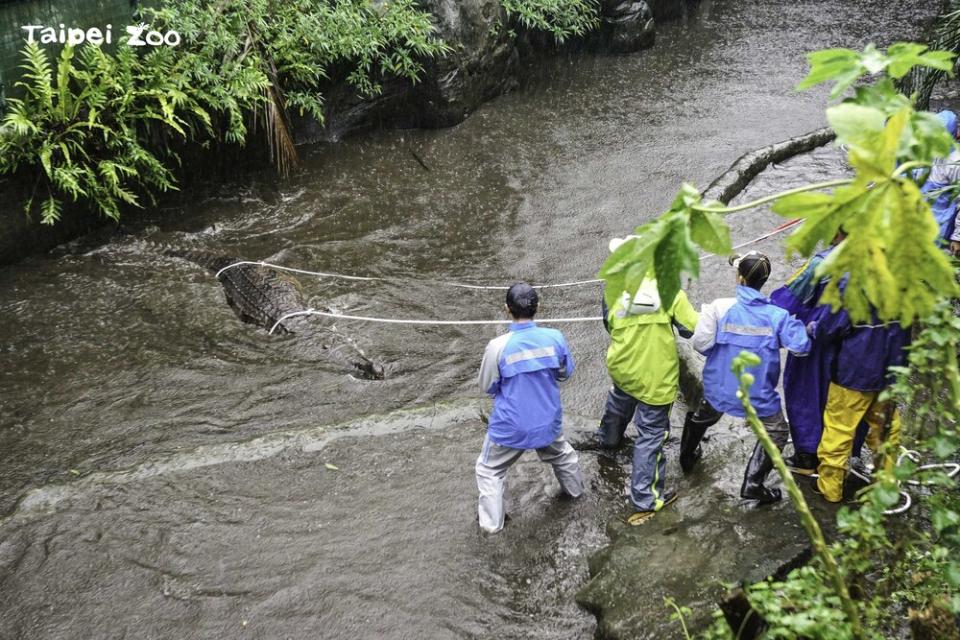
(953, 467)
(342, 276)
(480, 287)
(340, 316)
(576, 283)
(290, 269)
(904, 496)
(915, 457)
(907, 503)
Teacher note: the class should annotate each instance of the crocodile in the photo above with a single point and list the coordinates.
(265, 297)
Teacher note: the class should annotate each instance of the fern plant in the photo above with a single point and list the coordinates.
(79, 129)
(104, 128)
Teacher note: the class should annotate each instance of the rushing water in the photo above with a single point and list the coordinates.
(178, 458)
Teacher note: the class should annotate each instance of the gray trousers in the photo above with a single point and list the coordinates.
(492, 468)
(653, 428)
(649, 464)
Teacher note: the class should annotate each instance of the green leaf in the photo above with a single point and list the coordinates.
(942, 446)
(822, 217)
(689, 196)
(50, 210)
(709, 231)
(674, 255)
(856, 125)
(944, 519)
(922, 273)
(626, 267)
(331, 467)
(886, 494)
(873, 60)
(906, 469)
(904, 56)
(803, 205)
(840, 65)
(952, 574)
(928, 138)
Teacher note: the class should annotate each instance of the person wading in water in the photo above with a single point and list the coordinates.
(522, 370)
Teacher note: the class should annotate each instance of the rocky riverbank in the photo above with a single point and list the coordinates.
(482, 64)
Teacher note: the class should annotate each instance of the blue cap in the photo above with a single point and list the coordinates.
(949, 120)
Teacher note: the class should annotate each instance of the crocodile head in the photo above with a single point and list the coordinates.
(369, 369)
(341, 348)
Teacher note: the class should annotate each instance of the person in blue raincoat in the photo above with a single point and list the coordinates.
(945, 173)
(726, 327)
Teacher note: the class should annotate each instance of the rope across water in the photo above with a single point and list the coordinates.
(460, 285)
(341, 316)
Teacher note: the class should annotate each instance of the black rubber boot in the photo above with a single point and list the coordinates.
(690, 450)
(758, 467)
(804, 464)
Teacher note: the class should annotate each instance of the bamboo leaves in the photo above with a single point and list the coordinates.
(561, 18)
(101, 128)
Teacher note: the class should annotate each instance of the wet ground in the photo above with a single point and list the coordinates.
(135, 405)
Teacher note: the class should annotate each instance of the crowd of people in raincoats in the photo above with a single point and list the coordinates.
(835, 372)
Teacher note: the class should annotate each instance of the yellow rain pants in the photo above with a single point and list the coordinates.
(844, 411)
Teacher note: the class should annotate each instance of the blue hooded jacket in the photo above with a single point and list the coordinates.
(806, 379)
(521, 370)
(752, 323)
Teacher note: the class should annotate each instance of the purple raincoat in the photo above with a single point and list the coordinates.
(806, 380)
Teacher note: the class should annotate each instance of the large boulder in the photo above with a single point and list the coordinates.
(625, 26)
(480, 66)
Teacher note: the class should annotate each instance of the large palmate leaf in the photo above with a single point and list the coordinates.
(665, 248)
(845, 66)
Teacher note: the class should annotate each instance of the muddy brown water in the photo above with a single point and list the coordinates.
(164, 467)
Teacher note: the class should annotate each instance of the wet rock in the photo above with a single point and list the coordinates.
(481, 65)
(478, 67)
(708, 538)
(625, 26)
